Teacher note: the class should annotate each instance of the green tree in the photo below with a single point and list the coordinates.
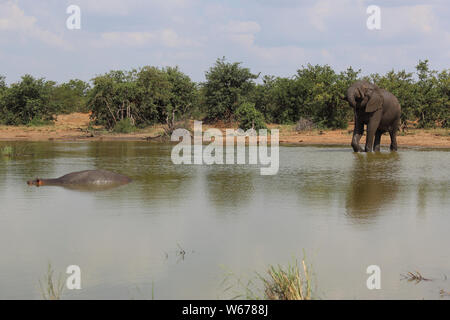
(28, 100)
(227, 86)
(71, 96)
(183, 96)
(249, 117)
(432, 102)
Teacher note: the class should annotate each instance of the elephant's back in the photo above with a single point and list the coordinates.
(93, 177)
(391, 111)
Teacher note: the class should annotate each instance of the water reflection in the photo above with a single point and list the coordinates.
(373, 184)
(229, 187)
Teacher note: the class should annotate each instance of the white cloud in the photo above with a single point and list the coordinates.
(242, 27)
(123, 8)
(407, 19)
(14, 20)
(166, 38)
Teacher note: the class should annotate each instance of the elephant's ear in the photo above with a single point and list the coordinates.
(375, 102)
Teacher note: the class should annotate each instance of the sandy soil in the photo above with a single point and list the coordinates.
(75, 127)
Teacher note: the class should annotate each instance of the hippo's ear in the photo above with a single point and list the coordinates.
(375, 102)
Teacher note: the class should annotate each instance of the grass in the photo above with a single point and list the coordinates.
(51, 289)
(292, 282)
(444, 293)
(288, 283)
(12, 151)
(37, 122)
(7, 151)
(415, 276)
(124, 126)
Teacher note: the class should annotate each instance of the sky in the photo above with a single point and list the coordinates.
(271, 37)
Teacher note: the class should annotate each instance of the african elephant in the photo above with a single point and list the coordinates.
(378, 109)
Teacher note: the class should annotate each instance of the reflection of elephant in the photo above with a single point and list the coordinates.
(378, 109)
(373, 184)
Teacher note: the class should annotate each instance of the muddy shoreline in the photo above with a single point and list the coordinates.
(75, 127)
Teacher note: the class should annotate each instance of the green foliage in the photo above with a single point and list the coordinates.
(152, 95)
(426, 100)
(226, 87)
(71, 96)
(39, 122)
(432, 94)
(249, 117)
(315, 93)
(27, 100)
(124, 126)
(145, 96)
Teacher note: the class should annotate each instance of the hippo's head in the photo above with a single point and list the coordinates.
(37, 182)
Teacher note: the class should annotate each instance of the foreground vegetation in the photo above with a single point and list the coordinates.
(279, 283)
(125, 100)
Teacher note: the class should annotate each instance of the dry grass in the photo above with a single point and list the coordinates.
(51, 289)
(288, 283)
(279, 283)
(415, 276)
(444, 293)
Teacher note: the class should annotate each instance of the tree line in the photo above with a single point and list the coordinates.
(151, 95)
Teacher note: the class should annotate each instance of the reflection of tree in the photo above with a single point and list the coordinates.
(38, 158)
(373, 184)
(430, 187)
(229, 187)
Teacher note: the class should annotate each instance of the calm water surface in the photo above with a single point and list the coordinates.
(346, 211)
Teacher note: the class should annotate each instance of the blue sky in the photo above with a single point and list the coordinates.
(273, 37)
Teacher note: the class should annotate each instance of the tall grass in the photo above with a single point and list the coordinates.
(288, 283)
(14, 150)
(51, 289)
(278, 283)
(7, 151)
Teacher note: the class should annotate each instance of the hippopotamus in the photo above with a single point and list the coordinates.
(86, 178)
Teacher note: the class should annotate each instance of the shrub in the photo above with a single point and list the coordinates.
(124, 126)
(227, 84)
(249, 117)
(304, 124)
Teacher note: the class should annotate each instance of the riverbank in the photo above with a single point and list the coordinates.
(75, 127)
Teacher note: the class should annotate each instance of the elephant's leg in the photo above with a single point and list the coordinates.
(357, 134)
(372, 127)
(393, 134)
(377, 143)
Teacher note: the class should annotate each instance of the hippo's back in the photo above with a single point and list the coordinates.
(94, 177)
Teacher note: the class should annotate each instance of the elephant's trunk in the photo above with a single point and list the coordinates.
(351, 96)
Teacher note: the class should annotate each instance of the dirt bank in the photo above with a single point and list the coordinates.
(74, 127)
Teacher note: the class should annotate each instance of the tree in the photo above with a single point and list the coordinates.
(433, 102)
(227, 85)
(141, 97)
(183, 96)
(249, 117)
(71, 96)
(28, 100)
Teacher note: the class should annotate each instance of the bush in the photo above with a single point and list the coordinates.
(304, 124)
(226, 86)
(249, 117)
(124, 126)
(38, 122)
(26, 101)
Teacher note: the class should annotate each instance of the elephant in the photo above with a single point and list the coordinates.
(378, 109)
(101, 178)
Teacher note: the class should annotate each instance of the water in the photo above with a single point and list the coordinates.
(346, 211)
